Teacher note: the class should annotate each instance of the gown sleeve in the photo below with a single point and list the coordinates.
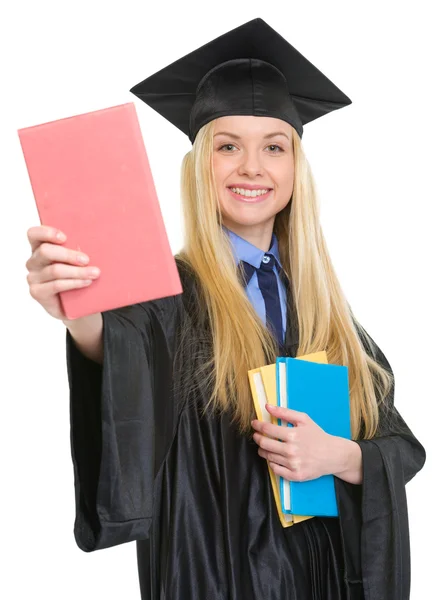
(373, 515)
(113, 407)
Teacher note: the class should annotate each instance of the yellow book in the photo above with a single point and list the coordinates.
(263, 389)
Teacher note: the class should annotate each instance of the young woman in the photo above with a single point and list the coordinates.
(165, 447)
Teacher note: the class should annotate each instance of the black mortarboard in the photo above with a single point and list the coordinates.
(251, 70)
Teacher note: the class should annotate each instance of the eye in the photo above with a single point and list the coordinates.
(269, 146)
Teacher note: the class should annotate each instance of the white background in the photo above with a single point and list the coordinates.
(379, 165)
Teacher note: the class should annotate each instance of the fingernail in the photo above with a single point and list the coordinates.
(83, 259)
(61, 236)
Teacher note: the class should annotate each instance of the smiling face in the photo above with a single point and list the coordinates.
(252, 153)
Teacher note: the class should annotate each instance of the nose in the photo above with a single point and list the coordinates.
(250, 164)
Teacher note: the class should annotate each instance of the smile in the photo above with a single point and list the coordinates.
(250, 199)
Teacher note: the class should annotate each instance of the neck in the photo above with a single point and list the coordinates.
(259, 235)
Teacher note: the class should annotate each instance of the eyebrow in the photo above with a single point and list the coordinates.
(238, 137)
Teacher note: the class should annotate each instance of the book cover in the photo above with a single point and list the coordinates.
(322, 392)
(263, 389)
(259, 396)
(91, 178)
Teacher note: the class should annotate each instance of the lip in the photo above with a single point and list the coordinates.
(247, 186)
(248, 200)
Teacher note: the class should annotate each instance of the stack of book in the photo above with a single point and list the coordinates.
(306, 384)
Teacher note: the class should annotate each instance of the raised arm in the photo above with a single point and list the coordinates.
(86, 333)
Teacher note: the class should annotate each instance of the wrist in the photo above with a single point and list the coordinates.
(344, 453)
(348, 460)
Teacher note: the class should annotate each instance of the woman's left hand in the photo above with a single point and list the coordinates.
(305, 452)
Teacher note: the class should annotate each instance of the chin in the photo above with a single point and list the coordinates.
(249, 220)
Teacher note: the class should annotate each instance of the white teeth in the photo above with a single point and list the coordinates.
(251, 193)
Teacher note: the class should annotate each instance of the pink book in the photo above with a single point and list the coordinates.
(91, 179)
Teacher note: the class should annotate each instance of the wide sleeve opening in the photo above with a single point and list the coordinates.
(112, 427)
(374, 516)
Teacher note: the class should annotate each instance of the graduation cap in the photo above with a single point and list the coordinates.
(250, 70)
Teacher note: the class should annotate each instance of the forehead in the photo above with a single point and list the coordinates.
(251, 126)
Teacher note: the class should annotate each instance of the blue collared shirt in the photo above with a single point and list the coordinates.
(244, 250)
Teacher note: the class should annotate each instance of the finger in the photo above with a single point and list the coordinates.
(287, 414)
(62, 271)
(47, 253)
(294, 474)
(280, 448)
(282, 471)
(43, 291)
(44, 233)
(273, 431)
(271, 457)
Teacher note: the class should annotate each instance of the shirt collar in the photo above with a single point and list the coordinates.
(246, 251)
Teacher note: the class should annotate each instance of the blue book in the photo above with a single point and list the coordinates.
(322, 391)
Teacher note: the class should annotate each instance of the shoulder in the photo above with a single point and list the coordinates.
(371, 348)
(187, 274)
(171, 310)
(162, 315)
(159, 310)
(191, 298)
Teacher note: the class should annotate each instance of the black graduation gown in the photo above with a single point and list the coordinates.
(196, 496)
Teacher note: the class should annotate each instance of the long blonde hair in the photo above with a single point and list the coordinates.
(240, 341)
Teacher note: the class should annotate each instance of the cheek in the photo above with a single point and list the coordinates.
(286, 174)
(285, 183)
(221, 170)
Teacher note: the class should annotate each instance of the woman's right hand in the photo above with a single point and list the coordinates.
(52, 268)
